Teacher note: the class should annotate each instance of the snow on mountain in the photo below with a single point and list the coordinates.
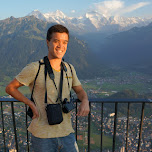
(96, 19)
(56, 14)
(37, 14)
(92, 21)
(124, 21)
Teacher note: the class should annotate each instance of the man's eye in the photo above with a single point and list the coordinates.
(65, 42)
(55, 41)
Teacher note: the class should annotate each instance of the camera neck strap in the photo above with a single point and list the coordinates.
(71, 97)
(40, 63)
(48, 69)
(51, 74)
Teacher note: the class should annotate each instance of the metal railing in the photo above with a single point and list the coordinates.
(102, 101)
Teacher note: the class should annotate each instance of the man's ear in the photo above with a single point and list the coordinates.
(47, 42)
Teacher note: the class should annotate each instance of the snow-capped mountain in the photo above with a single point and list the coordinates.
(38, 15)
(57, 14)
(92, 21)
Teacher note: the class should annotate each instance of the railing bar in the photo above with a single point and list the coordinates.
(113, 100)
(14, 124)
(27, 135)
(101, 127)
(115, 125)
(3, 127)
(89, 123)
(99, 100)
(141, 126)
(76, 126)
(127, 129)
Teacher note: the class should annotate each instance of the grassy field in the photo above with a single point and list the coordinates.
(138, 87)
(134, 81)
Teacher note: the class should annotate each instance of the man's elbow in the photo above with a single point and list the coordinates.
(8, 89)
(13, 86)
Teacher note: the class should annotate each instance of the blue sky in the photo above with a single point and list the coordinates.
(75, 8)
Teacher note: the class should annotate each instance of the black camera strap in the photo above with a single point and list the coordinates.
(40, 63)
(61, 84)
(48, 69)
(68, 79)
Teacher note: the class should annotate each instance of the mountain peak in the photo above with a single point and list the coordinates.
(55, 14)
(37, 14)
(34, 12)
(95, 14)
(59, 13)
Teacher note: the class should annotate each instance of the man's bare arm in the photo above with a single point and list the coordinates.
(82, 96)
(12, 89)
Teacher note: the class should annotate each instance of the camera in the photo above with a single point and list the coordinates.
(67, 106)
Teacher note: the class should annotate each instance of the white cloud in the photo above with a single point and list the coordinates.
(108, 7)
(73, 11)
(133, 7)
(116, 7)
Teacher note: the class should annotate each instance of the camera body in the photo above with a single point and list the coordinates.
(67, 106)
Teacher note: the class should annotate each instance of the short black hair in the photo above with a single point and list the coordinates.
(56, 28)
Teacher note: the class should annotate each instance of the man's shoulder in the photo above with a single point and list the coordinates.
(70, 68)
(35, 65)
(68, 65)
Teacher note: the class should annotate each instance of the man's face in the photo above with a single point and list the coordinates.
(57, 46)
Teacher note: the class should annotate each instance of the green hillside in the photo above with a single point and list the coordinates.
(22, 41)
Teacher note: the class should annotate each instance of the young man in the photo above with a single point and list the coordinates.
(45, 137)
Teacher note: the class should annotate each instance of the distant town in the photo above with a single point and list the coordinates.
(108, 124)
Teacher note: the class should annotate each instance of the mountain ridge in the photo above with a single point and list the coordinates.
(92, 21)
(129, 49)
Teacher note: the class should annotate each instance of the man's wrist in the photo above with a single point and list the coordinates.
(85, 100)
(30, 103)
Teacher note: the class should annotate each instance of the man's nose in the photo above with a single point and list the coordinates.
(60, 44)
